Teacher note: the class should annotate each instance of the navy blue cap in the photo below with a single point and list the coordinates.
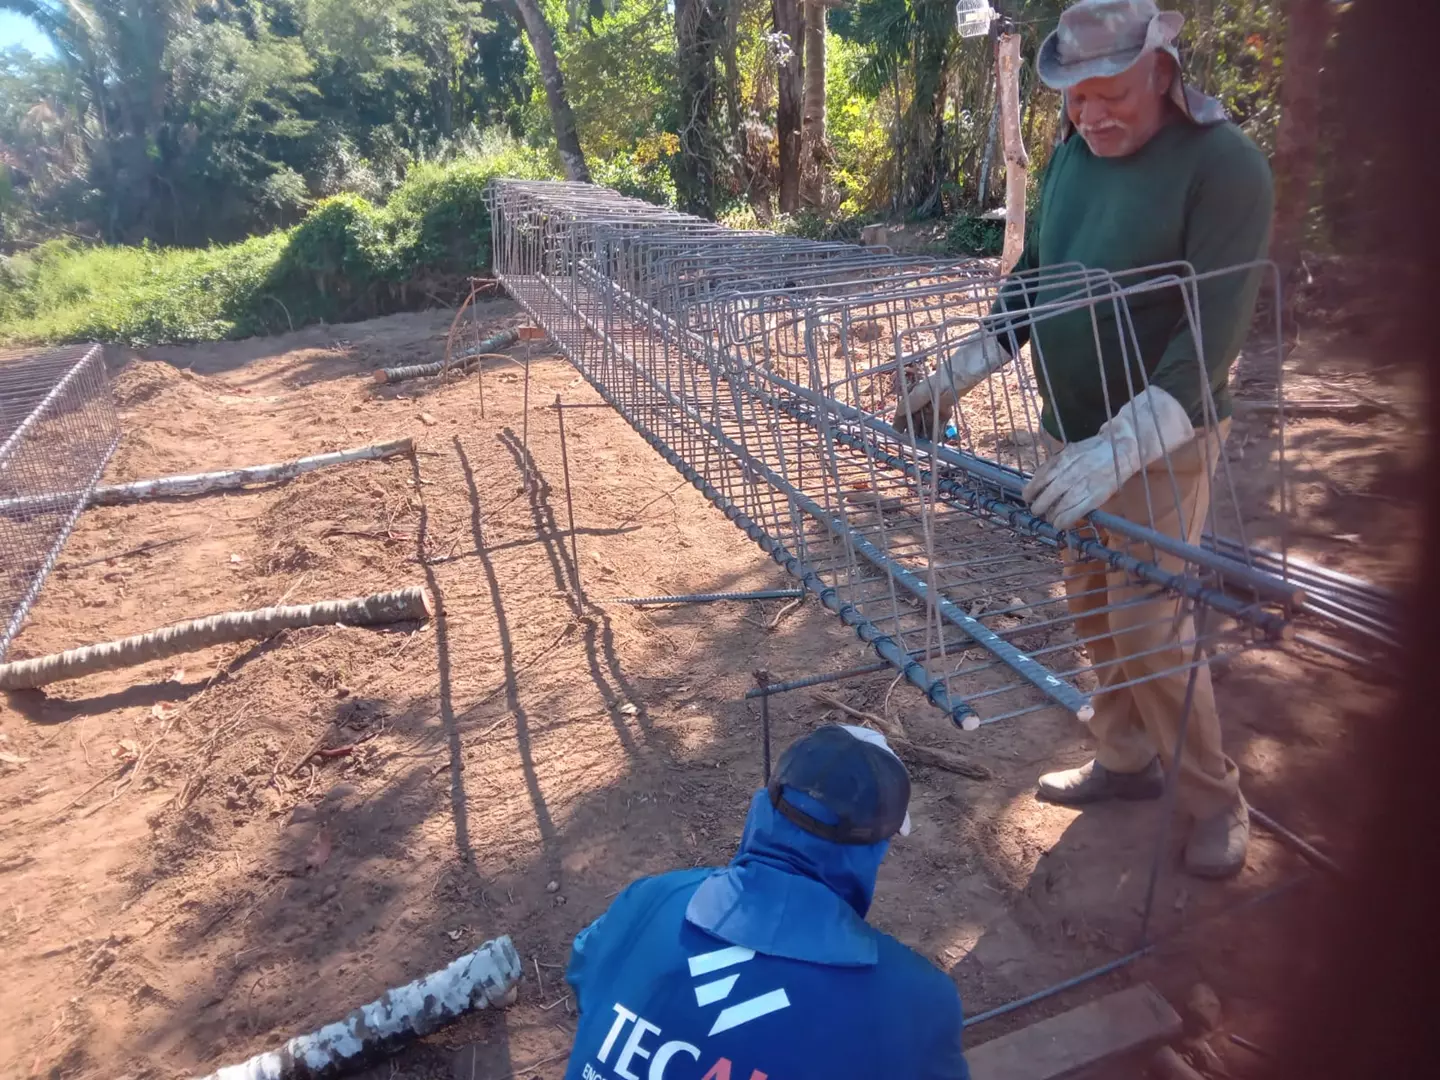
(858, 781)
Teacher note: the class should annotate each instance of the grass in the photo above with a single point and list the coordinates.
(348, 259)
(65, 292)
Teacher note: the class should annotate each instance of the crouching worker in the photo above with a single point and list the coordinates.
(766, 969)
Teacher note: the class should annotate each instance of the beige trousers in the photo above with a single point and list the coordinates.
(1133, 641)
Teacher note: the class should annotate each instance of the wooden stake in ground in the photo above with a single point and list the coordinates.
(1017, 161)
(398, 606)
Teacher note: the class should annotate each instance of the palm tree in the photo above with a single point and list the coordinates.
(117, 51)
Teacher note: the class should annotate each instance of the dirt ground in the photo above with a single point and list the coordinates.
(186, 883)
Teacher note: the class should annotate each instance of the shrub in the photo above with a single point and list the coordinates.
(348, 259)
(975, 236)
(136, 295)
(812, 225)
(643, 174)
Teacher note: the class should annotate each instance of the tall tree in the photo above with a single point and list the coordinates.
(816, 143)
(789, 21)
(1308, 24)
(699, 29)
(562, 119)
(118, 49)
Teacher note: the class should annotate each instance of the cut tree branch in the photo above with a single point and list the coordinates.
(1017, 161)
(399, 606)
(166, 487)
(229, 479)
(485, 977)
(907, 751)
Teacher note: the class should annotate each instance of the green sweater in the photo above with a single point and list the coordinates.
(1200, 195)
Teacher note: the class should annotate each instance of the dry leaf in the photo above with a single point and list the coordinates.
(164, 710)
(234, 558)
(178, 675)
(128, 750)
(630, 709)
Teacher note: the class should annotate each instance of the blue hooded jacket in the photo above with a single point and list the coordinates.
(762, 970)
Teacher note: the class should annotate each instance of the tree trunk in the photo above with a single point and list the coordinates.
(1297, 135)
(402, 605)
(730, 55)
(484, 977)
(813, 135)
(532, 18)
(171, 487)
(789, 18)
(698, 26)
(1017, 162)
(987, 159)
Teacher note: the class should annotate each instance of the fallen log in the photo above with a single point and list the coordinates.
(907, 751)
(1298, 410)
(165, 487)
(389, 607)
(484, 977)
(229, 479)
(502, 340)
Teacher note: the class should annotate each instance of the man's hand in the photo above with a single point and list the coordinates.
(1086, 474)
(927, 406)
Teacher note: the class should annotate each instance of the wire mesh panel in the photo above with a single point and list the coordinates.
(768, 370)
(58, 428)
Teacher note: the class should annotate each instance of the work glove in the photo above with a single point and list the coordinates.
(926, 407)
(1086, 474)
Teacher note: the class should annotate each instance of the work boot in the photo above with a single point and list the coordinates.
(1217, 844)
(1093, 782)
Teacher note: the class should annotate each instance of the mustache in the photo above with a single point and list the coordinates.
(1102, 127)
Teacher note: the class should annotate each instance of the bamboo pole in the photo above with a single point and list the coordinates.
(379, 608)
(1017, 161)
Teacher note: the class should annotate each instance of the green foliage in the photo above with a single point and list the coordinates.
(365, 132)
(619, 63)
(809, 225)
(643, 174)
(348, 259)
(1233, 51)
(974, 236)
(62, 291)
(438, 216)
(859, 138)
(187, 121)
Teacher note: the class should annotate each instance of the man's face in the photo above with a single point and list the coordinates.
(1118, 114)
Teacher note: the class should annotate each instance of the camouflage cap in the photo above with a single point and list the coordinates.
(1101, 38)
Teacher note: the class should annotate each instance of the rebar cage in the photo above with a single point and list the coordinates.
(765, 370)
(58, 428)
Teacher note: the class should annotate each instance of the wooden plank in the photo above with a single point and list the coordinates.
(1117, 1024)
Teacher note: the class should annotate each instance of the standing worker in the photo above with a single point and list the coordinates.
(767, 967)
(1157, 175)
